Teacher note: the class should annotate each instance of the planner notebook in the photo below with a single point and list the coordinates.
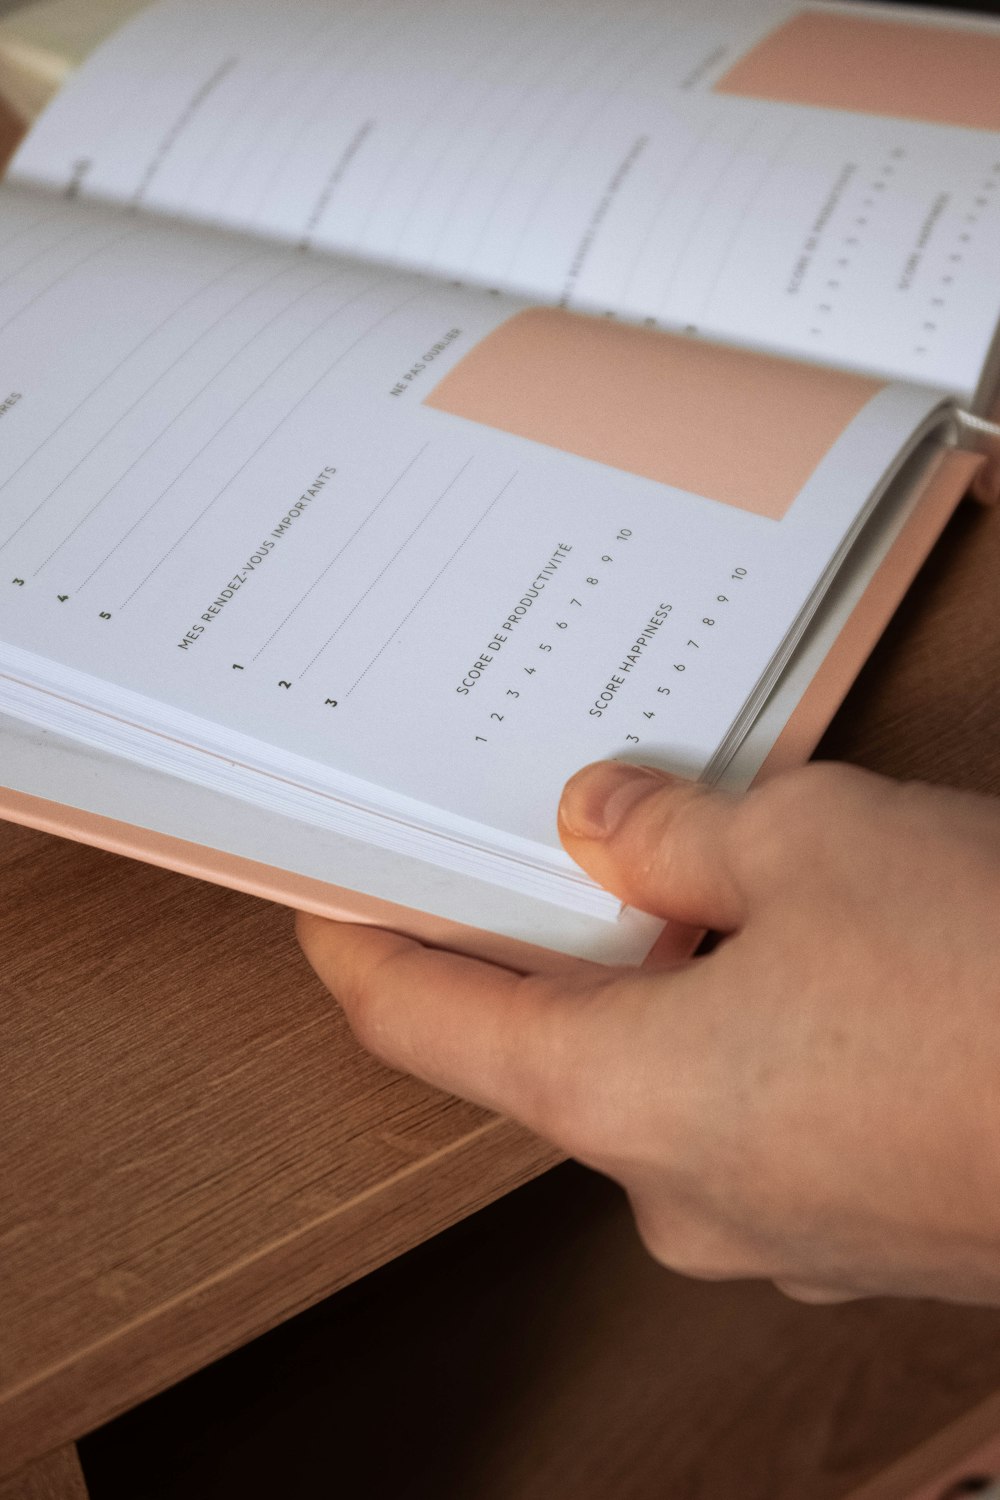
(402, 405)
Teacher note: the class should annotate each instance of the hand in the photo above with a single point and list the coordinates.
(817, 1100)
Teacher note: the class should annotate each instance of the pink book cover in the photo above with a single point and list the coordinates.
(949, 481)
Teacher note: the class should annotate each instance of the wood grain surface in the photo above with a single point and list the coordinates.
(194, 1146)
(535, 1352)
(927, 706)
(194, 1149)
(57, 1476)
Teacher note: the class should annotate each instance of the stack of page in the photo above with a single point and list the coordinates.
(404, 402)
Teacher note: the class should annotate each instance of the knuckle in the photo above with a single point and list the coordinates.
(680, 820)
(678, 847)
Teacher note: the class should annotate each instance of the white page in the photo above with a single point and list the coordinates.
(48, 764)
(219, 495)
(567, 150)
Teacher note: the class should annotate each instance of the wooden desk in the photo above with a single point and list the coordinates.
(194, 1149)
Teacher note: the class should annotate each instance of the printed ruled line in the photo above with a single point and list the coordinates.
(165, 146)
(296, 57)
(75, 230)
(662, 206)
(116, 369)
(403, 156)
(570, 92)
(129, 100)
(558, 167)
(280, 423)
(513, 113)
(202, 334)
(341, 550)
(770, 164)
(57, 280)
(707, 203)
(20, 233)
(443, 569)
(314, 123)
(458, 130)
(245, 107)
(383, 570)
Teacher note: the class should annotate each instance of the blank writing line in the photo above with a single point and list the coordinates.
(664, 202)
(341, 550)
(152, 332)
(388, 564)
(707, 203)
(769, 166)
(444, 567)
(458, 130)
(163, 149)
(296, 65)
(569, 94)
(559, 166)
(99, 250)
(202, 333)
(314, 125)
(33, 257)
(19, 233)
(488, 142)
(404, 158)
(324, 374)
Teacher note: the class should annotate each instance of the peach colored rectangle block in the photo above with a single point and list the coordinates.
(743, 428)
(928, 71)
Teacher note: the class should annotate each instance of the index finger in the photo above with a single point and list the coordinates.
(530, 1046)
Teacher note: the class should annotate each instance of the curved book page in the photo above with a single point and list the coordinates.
(257, 531)
(759, 173)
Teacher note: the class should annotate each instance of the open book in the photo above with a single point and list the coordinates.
(404, 402)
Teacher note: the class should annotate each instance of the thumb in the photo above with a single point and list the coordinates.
(660, 843)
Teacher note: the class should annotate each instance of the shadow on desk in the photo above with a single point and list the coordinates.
(535, 1352)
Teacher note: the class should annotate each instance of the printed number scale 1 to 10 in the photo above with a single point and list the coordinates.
(543, 653)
